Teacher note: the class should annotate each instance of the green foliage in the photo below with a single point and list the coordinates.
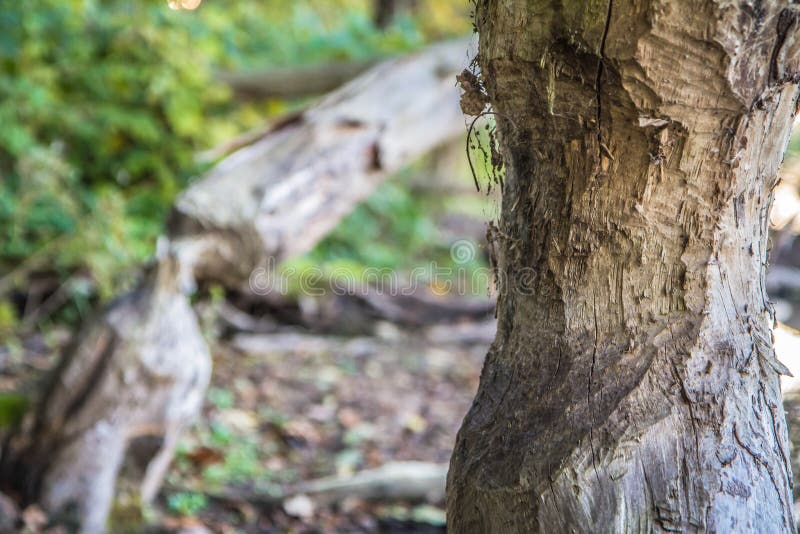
(308, 31)
(101, 119)
(187, 503)
(220, 398)
(392, 228)
(396, 228)
(12, 407)
(424, 514)
(243, 463)
(243, 456)
(793, 150)
(104, 104)
(8, 316)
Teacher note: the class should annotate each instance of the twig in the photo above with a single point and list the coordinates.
(469, 134)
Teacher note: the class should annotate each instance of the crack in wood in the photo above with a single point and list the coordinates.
(759, 460)
(598, 82)
(589, 392)
(786, 19)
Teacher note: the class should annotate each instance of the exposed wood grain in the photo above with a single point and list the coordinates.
(633, 387)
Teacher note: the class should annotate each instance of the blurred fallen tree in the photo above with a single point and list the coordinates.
(294, 82)
(141, 368)
(399, 481)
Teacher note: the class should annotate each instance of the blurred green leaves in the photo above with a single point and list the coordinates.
(12, 407)
(187, 503)
(103, 105)
(397, 228)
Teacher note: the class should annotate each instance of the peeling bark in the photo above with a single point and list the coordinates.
(632, 385)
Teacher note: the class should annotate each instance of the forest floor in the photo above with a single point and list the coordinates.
(290, 407)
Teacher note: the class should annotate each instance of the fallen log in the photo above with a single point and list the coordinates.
(355, 310)
(142, 366)
(288, 189)
(411, 481)
(293, 82)
(396, 481)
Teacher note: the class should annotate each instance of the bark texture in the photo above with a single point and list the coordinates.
(632, 385)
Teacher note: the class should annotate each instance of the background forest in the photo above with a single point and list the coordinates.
(106, 106)
(108, 110)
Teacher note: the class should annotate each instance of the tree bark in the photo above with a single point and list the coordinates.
(632, 385)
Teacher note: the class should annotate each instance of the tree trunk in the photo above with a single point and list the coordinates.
(632, 385)
(141, 369)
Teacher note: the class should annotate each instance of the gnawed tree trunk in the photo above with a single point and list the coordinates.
(142, 367)
(632, 385)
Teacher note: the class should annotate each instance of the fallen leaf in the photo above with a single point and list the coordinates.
(204, 456)
(242, 420)
(415, 423)
(348, 417)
